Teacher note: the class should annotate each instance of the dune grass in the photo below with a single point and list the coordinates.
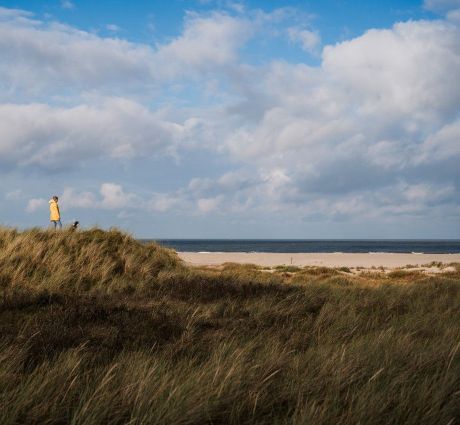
(98, 328)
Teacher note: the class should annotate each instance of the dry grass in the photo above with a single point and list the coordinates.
(80, 261)
(97, 328)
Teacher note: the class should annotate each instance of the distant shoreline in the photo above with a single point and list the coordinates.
(312, 246)
(271, 259)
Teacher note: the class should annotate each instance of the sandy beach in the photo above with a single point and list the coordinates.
(366, 260)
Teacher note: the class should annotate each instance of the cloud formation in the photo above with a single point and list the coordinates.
(309, 40)
(372, 131)
(56, 138)
(67, 4)
(111, 196)
(441, 5)
(366, 120)
(39, 56)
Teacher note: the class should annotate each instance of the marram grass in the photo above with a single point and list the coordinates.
(96, 328)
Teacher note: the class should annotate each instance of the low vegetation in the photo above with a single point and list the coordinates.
(98, 328)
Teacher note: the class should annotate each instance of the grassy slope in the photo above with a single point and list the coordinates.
(96, 328)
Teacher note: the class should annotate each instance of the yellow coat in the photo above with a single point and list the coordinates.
(54, 210)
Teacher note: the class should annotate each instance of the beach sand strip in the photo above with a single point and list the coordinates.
(270, 259)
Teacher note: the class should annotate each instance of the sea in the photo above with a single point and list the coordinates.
(372, 246)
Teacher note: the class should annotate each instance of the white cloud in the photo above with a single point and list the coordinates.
(39, 56)
(7, 13)
(14, 194)
(113, 197)
(454, 16)
(113, 27)
(276, 192)
(428, 192)
(78, 58)
(206, 42)
(441, 5)
(367, 102)
(308, 40)
(238, 7)
(57, 138)
(360, 124)
(442, 145)
(72, 198)
(35, 204)
(162, 202)
(67, 4)
(365, 134)
(206, 205)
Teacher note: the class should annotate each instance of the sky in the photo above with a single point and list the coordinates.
(233, 119)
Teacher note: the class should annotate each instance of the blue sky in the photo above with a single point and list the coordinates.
(233, 119)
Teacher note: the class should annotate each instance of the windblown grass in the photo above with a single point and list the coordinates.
(80, 261)
(97, 328)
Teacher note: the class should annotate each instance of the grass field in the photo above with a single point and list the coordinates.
(96, 328)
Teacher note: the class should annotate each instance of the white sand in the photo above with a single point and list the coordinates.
(386, 260)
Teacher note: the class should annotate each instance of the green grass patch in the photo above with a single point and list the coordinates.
(287, 269)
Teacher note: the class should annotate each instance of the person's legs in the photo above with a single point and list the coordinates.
(53, 224)
(57, 223)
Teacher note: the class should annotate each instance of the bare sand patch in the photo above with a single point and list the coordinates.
(351, 260)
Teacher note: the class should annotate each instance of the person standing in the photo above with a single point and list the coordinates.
(55, 214)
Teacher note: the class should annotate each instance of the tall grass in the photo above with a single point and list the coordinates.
(80, 261)
(96, 328)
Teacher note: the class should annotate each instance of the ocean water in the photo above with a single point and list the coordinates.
(277, 245)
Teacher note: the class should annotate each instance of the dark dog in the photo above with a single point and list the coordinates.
(75, 225)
